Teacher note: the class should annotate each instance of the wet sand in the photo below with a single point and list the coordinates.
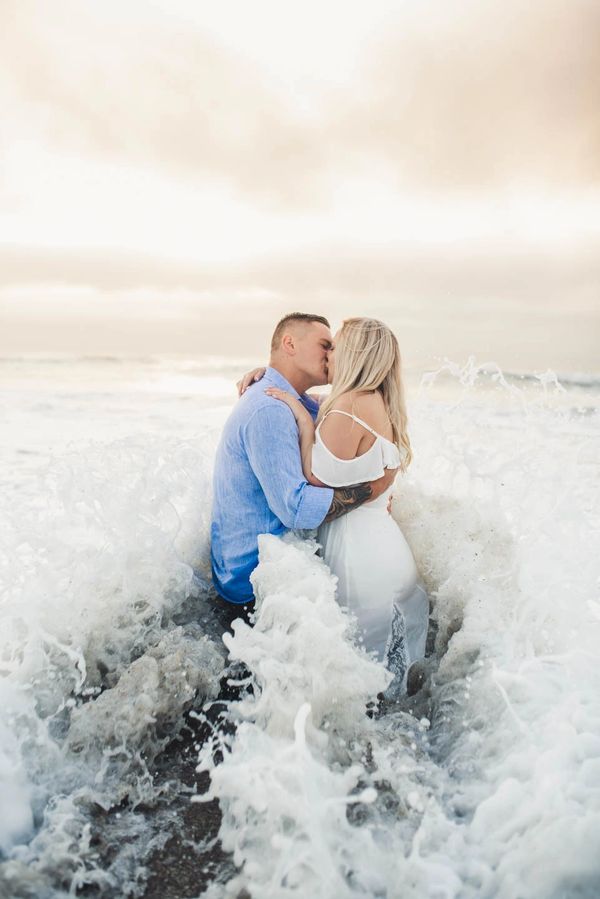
(192, 857)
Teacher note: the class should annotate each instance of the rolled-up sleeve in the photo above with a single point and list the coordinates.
(271, 442)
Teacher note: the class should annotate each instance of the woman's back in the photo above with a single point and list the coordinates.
(362, 454)
(344, 436)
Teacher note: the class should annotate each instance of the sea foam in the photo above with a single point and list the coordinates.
(97, 673)
(486, 782)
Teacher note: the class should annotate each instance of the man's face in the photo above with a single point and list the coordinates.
(312, 347)
(331, 359)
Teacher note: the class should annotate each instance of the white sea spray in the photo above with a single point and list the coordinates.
(297, 649)
(486, 783)
(96, 673)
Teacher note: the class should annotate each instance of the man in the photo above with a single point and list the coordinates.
(259, 486)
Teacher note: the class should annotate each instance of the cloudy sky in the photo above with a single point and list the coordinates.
(177, 174)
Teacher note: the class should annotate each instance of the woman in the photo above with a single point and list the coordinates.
(361, 429)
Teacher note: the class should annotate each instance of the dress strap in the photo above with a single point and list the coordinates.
(355, 417)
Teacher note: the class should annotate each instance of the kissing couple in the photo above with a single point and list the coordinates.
(291, 460)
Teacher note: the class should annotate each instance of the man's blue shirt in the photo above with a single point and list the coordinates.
(259, 485)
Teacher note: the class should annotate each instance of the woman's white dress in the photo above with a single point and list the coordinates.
(378, 580)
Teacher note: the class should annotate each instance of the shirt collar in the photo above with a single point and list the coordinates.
(277, 378)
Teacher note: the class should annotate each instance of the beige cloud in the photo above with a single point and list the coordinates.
(520, 309)
(455, 95)
(153, 97)
(469, 93)
(476, 275)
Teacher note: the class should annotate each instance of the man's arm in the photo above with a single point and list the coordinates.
(271, 443)
(347, 498)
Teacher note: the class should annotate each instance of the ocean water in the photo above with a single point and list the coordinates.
(485, 783)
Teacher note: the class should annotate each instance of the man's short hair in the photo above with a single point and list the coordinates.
(304, 317)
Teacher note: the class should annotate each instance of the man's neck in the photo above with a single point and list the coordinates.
(299, 381)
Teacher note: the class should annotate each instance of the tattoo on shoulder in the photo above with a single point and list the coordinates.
(347, 498)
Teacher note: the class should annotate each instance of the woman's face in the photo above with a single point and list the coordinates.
(331, 359)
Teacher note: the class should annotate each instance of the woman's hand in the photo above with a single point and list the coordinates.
(250, 378)
(300, 413)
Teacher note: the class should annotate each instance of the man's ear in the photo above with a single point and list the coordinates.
(288, 345)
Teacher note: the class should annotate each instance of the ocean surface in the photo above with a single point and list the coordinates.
(485, 783)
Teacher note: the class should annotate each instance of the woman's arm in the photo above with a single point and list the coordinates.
(306, 429)
(344, 498)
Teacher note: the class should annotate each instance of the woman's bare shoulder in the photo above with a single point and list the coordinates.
(356, 400)
(364, 405)
(340, 433)
(370, 407)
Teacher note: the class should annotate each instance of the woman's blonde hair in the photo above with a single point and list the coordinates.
(368, 358)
